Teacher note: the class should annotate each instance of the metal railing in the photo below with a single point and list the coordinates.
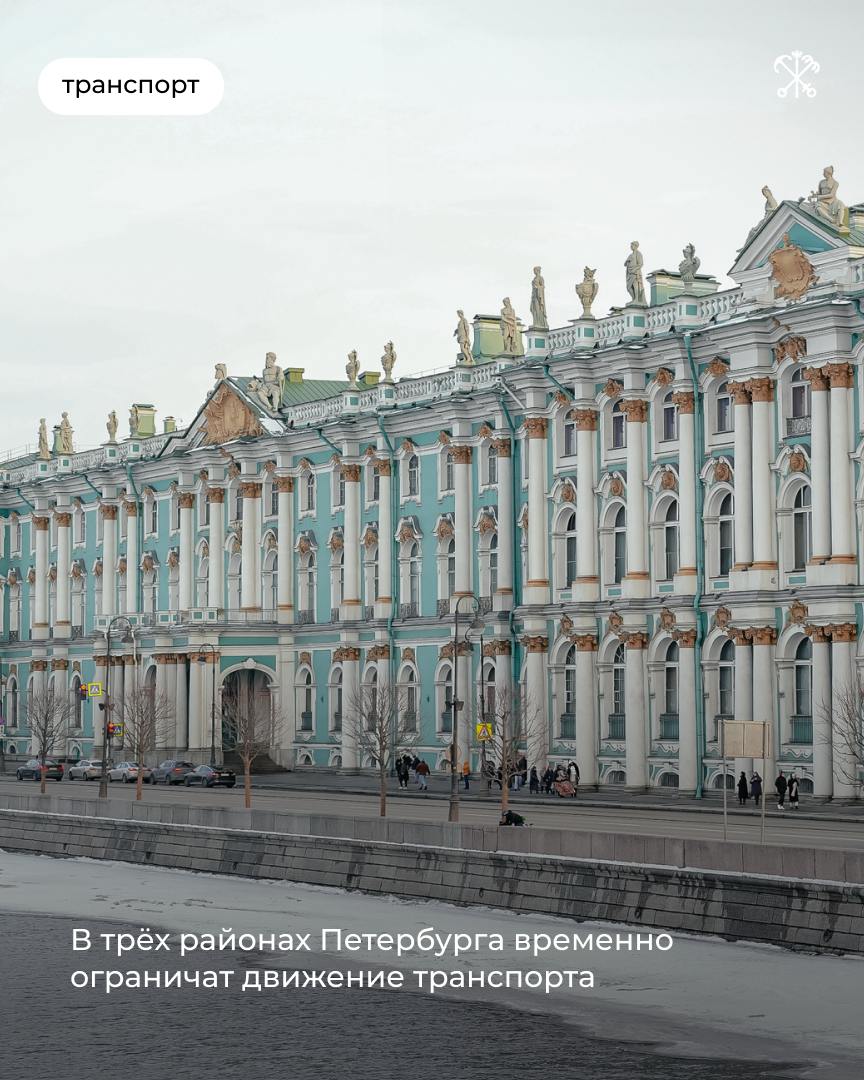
(408, 611)
(801, 730)
(305, 721)
(568, 725)
(797, 425)
(442, 607)
(305, 616)
(669, 725)
(617, 726)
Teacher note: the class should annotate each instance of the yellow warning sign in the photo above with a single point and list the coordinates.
(484, 732)
(94, 689)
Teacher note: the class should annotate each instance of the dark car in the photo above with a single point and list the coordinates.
(33, 770)
(210, 776)
(172, 771)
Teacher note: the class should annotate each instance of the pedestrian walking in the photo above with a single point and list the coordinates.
(548, 777)
(422, 771)
(756, 788)
(573, 776)
(743, 792)
(466, 773)
(534, 781)
(792, 792)
(780, 784)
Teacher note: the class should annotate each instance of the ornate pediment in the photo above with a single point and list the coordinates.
(226, 416)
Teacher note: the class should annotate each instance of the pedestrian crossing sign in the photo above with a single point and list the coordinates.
(484, 732)
(115, 731)
(94, 689)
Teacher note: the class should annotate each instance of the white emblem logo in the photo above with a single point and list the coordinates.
(796, 65)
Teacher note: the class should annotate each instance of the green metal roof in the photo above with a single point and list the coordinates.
(298, 393)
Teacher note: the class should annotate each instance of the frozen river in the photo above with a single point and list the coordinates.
(708, 1009)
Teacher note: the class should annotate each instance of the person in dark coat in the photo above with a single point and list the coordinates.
(511, 818)
(756, 788)
(780, 784)
(792, 791)
(534, 782)
(743, 791)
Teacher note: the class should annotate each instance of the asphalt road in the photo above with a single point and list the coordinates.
(781, 828)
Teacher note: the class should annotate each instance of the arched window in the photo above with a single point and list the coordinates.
(370, 700)
(804, 679)
(201, 580)
(269, 580)
(670, 684)
(617, 718)
(447, 484)
(492, 464)
(801, 528)
(409, 688)
(490, 703)
(451, 567)
(800, 395)
(306, 696)
(76, 703)
(570, 682)
(619, 533)
(726, 680)
(619, 428)
(723, 412)
(670, 418)
(336, 699)
(569, 549)
(274, 499)
(12, 702)
(493, 564)
(413, 475)
(726, 536)
(414, 569)
(309, 503)
(569, 435)
(445, 698)
(310, 577)
(670, 541)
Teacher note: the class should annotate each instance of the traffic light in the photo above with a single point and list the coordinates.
(82, 692)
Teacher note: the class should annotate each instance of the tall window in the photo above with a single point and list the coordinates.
(310, 491)
(570, 680)
(670, 541)
(569, 438)
(448, 471)
(726, 535)
(80, 528)
(77, 704)
(619, 534)
(414, 574)
(274, 500)
(238, 505)
(726, 680)
(306, 711)
(800, 395)
(569, 550)
(670, 418)
(493, 564)
(618, 681)
(410, 687)
(154, 517)
(413, 475)
(451, 567)
(492, 464)
(376, 485)
(336, 699)
(804, 679)
(340, 490)
(724, 409)
(619, 430)
(801, 528)
(670, 679)
(310, 582)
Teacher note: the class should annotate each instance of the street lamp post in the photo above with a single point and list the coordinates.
(476, 624)
(127, 637)
(212, 650)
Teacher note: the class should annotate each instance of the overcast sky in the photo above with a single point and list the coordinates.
(374, 165)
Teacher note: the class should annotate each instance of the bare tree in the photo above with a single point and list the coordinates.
(844, 731)
(378, 722)
(253, 725)
(148, 720)
(515, 727)
(48, 715)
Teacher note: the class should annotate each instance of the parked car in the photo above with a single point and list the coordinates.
(33, 770)
(86, 769)
(127, 771)
(172, 771)
(210, 776)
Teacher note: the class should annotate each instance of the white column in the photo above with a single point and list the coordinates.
(350, 659)
(586, 509)
(462, 483)
(764, 521)
(181, 706)
(764, 638)
(40, 586)
(196, 705)
(187, 554)
(163, 693)
(743, 690)
(466, 690)
(842, 543)
(820, 472)
(109, 558)
(843, 638)
(536, 589)
(62, 612)
(285, 569)
(688, 763)
(133, 558)
(351, 608)
(503, 675)
(535, 706)
(637, 519)
(250, 552)
(823, 773)
(587, 713)
(215, 545)
(743, 476)
(384, 602)
(636, 722)
(506, 520)
(687, 481)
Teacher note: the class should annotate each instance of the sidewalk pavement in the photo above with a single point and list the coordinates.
(323, 782)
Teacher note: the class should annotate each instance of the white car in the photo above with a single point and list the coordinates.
(85, 769)
(127, 771)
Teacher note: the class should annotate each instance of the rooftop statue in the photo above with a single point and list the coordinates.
(111, 425)
(134, 421)
(221, 372)
(65, 434)
(271, 389)
(509, 327)
(587, 290)
(689, 266)
(770, 201)
(825, 201)
(462, 333)
(538, 301)
(388, 361)
(352, 369)
(44, 452)
(635, 284)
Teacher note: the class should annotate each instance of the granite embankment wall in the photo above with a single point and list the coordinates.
(795, 913)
